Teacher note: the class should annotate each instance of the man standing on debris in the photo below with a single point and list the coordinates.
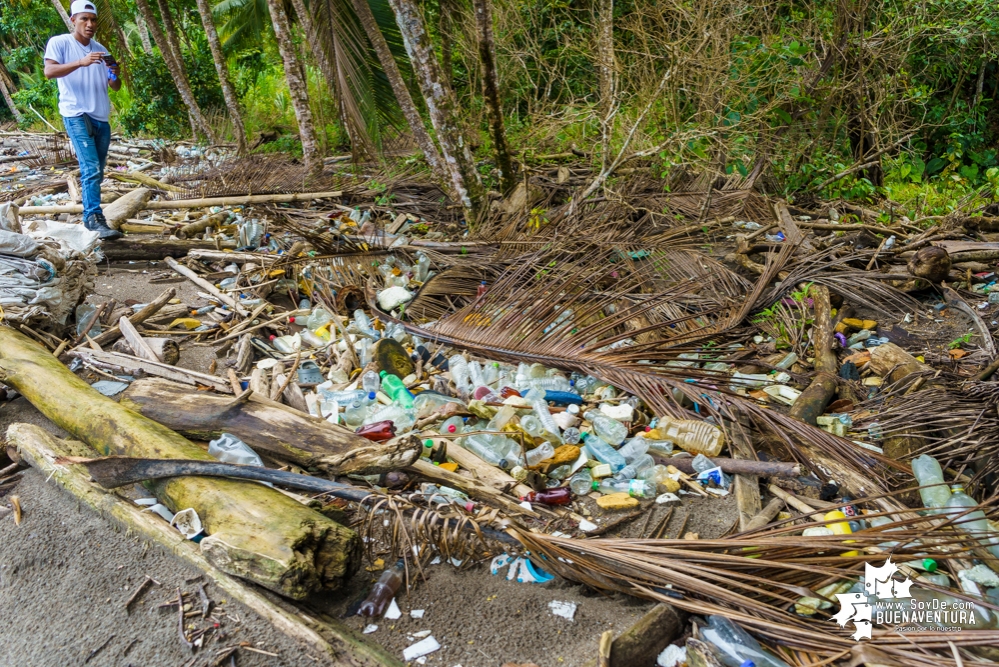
(85, 70)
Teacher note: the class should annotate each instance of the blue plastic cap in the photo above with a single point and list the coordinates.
(748, 663)
(371, 395)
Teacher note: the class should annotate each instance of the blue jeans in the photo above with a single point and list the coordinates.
(92, 153)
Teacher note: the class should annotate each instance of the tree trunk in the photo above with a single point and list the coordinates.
(10, 101)
(140, 23)
(443, 108)
(231, 101)
(198, 122)
(401, 90)
(490, 90)
(445, 24)
(269, 428)
(62, 14)
(254, 532)
(297, 86)
(605, 71)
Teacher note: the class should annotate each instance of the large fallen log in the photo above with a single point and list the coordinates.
(169, 204)
(41, 450)
(268, 427)
(145, 246)
(254, 532)
(126, 207)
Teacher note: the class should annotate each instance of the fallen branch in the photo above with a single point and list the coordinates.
(813, 401)
(170, 204)
(207, 286)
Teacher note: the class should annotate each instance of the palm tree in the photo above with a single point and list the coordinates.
(399, 88)
(297, 86)
(198, 122)
(6, 85)
(490, 91)
(228, 92)
(143, 30)
(443, 108)
(62, 14)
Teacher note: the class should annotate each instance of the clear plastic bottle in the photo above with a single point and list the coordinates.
(459, 375)
(475, 374)
(659, 447)
(363, 325)
(539, 454)
(974, 523)
(287, 344)
(403, 418)
(355, 413)
(318, 318)
(571, 436)
(383, 591)
(582, 482)
(557, 383)
(491, 449)
(364, 351)
(490, 373)
(637, 488)
(636, 469)
(421, 270)
(532, 425)
(634, 448)
(696, 437)
(609, 429)
(341, 397)
(370, 381)
(603, 452)
(734, 646)
(452, 425)
(537, 400)
(928, 472)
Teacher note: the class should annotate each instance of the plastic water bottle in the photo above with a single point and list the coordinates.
(927, 471)
(532, 425)
(396, 390)
(475, 374)
(402, 417)
(557, 496)
(341, 397)
(609, 429)
(421, 271)
(571, 436)
(603, 452)
(582, 482)
(659, 447)
(317, 319)
(634, 448)
(363, 325)
(491, 373)
(735, 646)
(383, 591)
(459, 375)
(637, 488)
(490, 450)
(974, 523)
(636, 469)
(370, 381)
(696, 437)
(537, 400)
(539, 454)
(452, 425)
(355, 413)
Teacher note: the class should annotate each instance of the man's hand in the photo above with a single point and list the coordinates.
(90, 59)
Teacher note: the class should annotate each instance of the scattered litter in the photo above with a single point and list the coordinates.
(368, 629)
(393, 612)
(420, 649)
(672, 656)
(417, 613)
(566, 610)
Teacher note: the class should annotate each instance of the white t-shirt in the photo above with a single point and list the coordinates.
(84, 91)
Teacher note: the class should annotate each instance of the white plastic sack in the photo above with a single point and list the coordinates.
(70, 236)
(18, 245)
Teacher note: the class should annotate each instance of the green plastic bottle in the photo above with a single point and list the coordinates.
(396, 390)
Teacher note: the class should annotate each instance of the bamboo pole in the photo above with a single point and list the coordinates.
(254, 532)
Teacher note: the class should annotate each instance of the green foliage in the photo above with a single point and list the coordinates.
(961, 341)
(153, 106)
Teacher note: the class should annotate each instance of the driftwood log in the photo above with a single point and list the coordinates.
(147, 246)
(269, 428)
(813, 401)
(126, 207)
(254, 532)
(327, 635)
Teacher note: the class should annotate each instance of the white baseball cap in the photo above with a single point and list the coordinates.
(80, 6)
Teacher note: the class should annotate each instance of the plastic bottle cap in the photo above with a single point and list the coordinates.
(272, 337)
(428, 443)
(451, 428)
(382, 374)
(291, 320)
(371, 395)
(929, 565)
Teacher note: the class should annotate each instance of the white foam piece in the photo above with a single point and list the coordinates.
(420, 649)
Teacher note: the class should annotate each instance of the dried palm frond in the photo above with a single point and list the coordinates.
(755, 580)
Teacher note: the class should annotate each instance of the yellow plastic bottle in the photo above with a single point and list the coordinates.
(840, 528)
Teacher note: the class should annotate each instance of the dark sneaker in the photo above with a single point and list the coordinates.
(96, 222)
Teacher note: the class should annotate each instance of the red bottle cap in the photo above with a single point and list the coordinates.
(272, 337)
(291, 320)
(451, 428)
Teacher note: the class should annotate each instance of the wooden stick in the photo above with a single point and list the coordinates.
(792, 500)
(813, 401)
(765, 516)
(134, 340)
(131, 364)
(207, 286)
(144, 314)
